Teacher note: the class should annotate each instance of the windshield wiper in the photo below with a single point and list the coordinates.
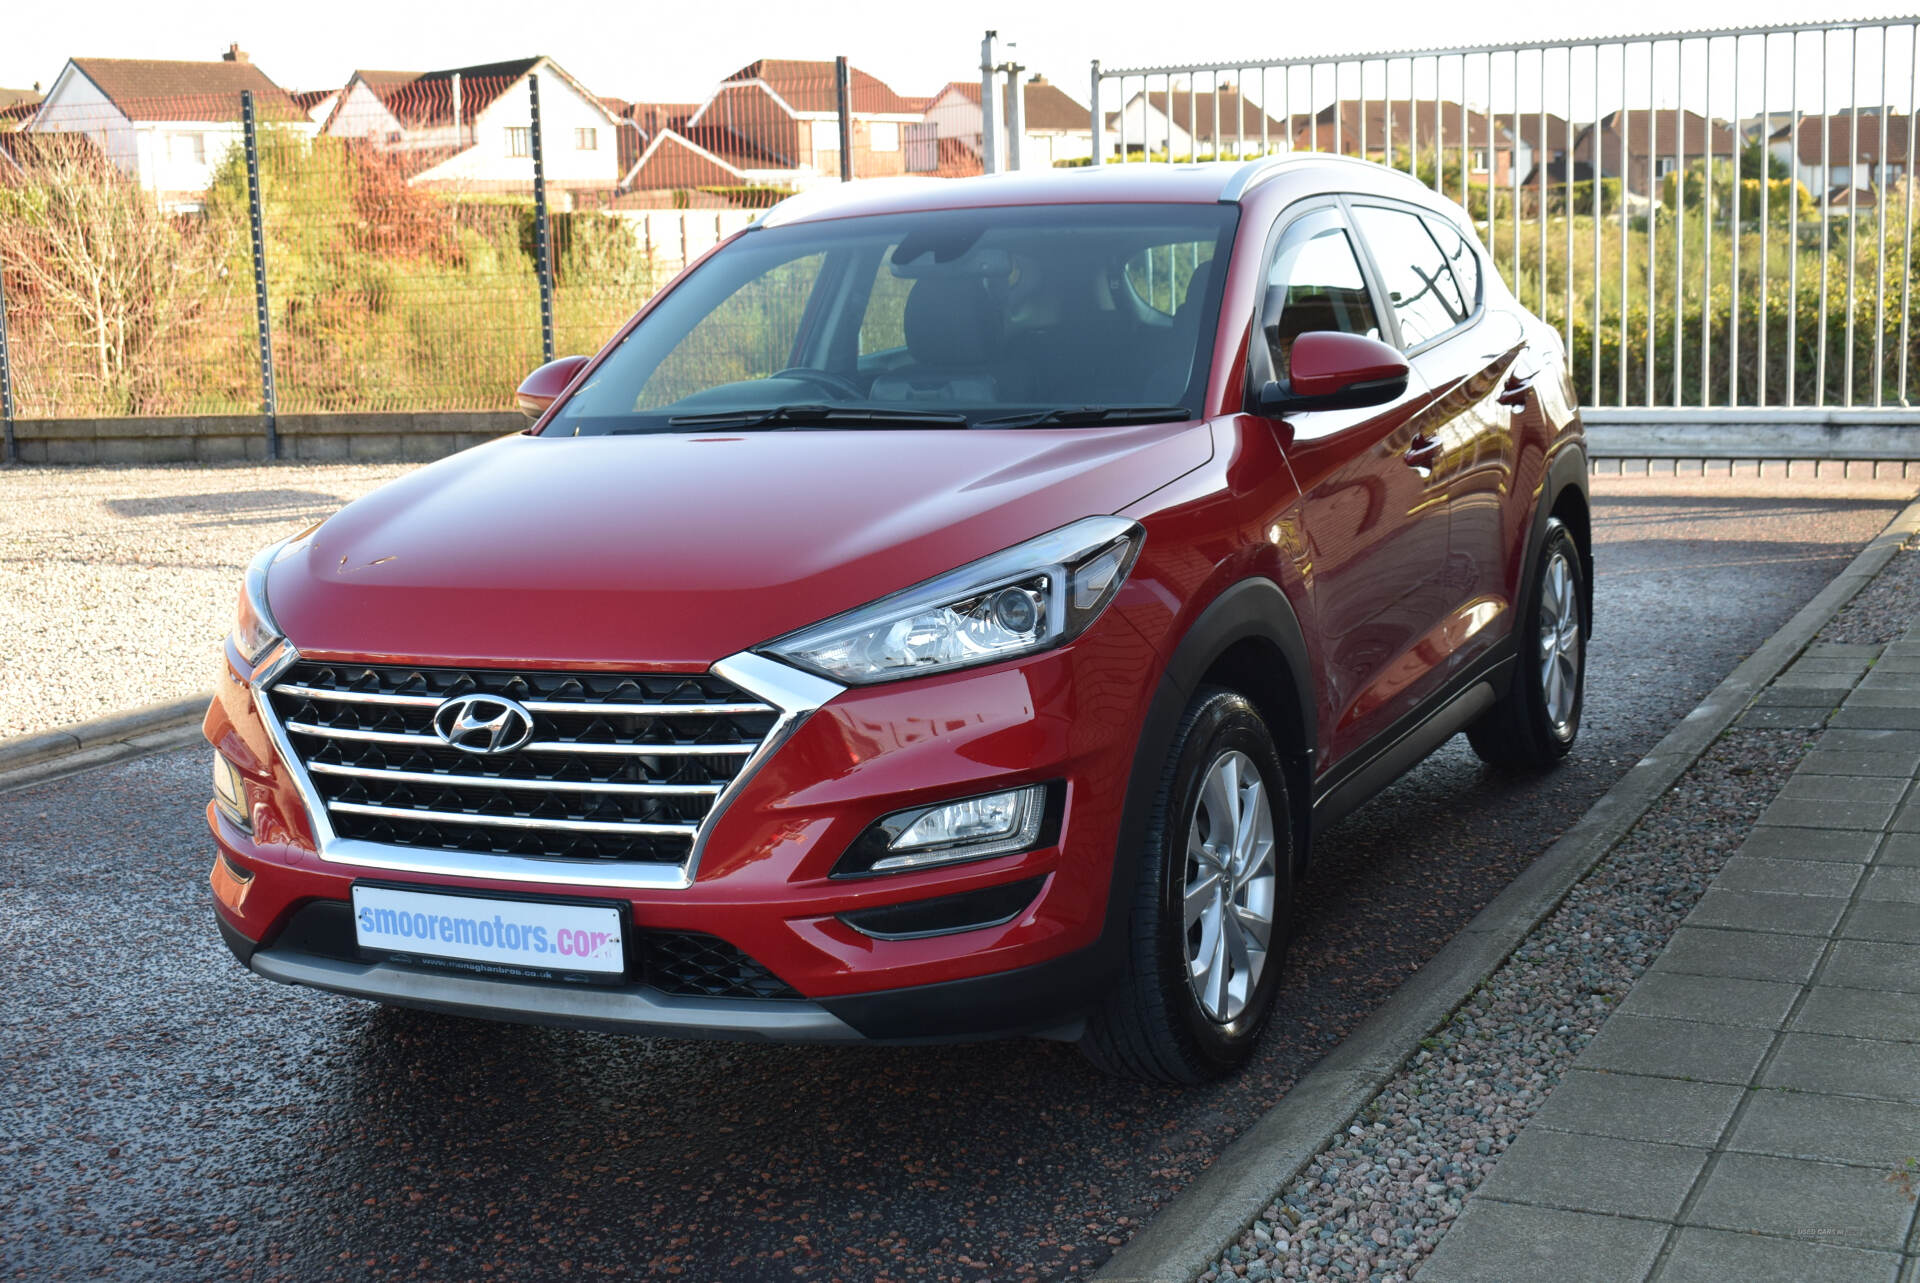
(1076, 416)
(821, 416)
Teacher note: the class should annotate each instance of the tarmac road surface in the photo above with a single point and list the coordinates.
(169, 1115)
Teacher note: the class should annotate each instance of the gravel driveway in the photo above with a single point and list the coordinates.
(117, 584)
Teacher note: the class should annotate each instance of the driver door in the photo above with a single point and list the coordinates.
(1375, 522)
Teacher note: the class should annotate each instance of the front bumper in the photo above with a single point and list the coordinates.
(1069, 717)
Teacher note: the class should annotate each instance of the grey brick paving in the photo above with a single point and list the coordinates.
(1752, 1108)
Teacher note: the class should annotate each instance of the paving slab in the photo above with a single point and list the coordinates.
(1711, 999)
(1495, 1242)
(1788, 877)
(1660, 1048)
(1868, 740)
(1819, 1202)
(1882, 920)
(1859, 1013)
(1845, 1066)
(1596, 1174)
(1841, 762)
(1741, 955)
(1878, 1134)
(1849, 846)
(1900, 885)
(1822, 813)
(1899, 850)
(1841, 788)
(1636, 1107)
(1717, 1256)
(1815, 915)
(1873, 964)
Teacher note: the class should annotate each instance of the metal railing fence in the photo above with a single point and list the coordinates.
(1711, 218)
(419, 247)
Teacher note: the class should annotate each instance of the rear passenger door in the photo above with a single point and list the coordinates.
(1461, 351)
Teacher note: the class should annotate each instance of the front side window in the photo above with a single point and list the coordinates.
(1425, 297)
(1314, 283)
(980, 317)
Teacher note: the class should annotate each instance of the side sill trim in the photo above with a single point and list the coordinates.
(1400, 755)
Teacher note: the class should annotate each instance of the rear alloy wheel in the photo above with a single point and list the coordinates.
(1538, 719)
(1209, 918)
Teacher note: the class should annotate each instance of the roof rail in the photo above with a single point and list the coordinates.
(1254, 172)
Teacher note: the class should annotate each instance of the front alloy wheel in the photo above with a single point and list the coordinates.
(1229, 894)
(1208, 922)
(1536, 721)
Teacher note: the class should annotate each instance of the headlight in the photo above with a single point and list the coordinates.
(254, 632)
(1031, 597)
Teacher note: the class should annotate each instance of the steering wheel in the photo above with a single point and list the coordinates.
(827, 379)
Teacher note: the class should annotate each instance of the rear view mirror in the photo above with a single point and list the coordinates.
(1332, 371)
(544, 386)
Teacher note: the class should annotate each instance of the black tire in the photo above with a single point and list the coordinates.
(1152, 1025)
(1520, 732)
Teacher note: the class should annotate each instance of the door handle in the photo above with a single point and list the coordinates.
(1422, 454)
(1517, 391)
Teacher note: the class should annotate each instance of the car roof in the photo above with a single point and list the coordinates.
(1203, 183)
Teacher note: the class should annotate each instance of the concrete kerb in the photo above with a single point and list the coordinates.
(1188, 1235)
(30, 759)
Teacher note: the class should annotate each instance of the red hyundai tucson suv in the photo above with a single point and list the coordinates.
(949, 610)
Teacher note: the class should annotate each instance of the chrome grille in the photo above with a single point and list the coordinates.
(622, 767)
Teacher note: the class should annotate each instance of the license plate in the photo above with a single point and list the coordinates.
(524, 937)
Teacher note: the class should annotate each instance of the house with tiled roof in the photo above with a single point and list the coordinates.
(783, 114)
(1189, 121)
(1053, 128)
(1369, 127)
(1838, 154)
(1642, 146)
(471, 128)
(166, 125)
(17, 107)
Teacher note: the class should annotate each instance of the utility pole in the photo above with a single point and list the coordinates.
(989, 134)
(1016, 113)
(843, 94)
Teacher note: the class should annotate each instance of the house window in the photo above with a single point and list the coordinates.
(187, 149)
(586, 140)
(519, 140)
(883, 136)
(1663, 166)
(826, 135)
(1482, 161)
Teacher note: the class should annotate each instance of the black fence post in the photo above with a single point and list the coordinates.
(262, 317)
(542, 246)
(843, 94)
(6, 377)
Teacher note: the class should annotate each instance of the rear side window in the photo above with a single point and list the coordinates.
(1425, 296)
(1314, 283)
(1461, 258)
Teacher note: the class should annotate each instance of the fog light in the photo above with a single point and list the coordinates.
(230, 883)
(972, 828)
(230, 792)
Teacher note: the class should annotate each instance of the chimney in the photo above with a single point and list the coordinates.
(235, 53)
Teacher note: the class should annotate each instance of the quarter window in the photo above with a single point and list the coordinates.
(1425, 296)
(1314, 283)
(1461, 258)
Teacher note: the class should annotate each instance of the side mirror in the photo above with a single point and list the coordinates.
(544, 386)
(1335, 371)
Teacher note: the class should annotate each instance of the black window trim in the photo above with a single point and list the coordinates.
(1421, 213)
(1259, 361)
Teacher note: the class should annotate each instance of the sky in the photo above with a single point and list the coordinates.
(676, 50)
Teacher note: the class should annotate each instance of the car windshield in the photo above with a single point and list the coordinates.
(999, 318)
